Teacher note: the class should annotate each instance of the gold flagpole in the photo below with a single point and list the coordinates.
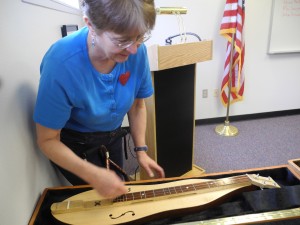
(226, 129)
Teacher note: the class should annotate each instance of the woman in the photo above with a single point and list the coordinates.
(89, 81)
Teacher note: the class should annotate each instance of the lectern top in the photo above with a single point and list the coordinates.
(170, 56)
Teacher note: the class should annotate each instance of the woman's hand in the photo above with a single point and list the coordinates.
(106, 182)
(149, 165)
(137, 119)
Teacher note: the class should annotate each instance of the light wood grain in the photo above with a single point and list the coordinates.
(170, 56)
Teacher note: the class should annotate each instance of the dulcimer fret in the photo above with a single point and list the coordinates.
(181, 189)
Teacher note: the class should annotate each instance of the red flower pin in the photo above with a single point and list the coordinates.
(124, 78)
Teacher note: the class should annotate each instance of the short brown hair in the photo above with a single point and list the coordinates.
(120, 16)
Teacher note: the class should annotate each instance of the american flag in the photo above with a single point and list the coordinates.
(233, 24)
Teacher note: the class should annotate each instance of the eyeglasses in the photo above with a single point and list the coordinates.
(126, 44)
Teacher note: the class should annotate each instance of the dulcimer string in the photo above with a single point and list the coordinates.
(182, 189)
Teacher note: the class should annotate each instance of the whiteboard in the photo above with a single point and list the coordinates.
(285, 27)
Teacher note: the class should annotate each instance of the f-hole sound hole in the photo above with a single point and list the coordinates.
(123, 214)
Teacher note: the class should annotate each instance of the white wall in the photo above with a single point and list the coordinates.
(26, 33)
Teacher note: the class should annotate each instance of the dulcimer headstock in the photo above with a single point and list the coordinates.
(262, 182)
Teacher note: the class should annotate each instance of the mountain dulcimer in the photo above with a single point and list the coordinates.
(143, 202)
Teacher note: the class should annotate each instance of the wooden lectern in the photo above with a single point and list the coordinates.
(171, 110)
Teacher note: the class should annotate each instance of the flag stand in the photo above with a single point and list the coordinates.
(226, 129)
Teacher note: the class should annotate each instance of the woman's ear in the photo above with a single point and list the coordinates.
(88, 23)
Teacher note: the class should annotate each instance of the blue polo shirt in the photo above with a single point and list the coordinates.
(73, 94)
